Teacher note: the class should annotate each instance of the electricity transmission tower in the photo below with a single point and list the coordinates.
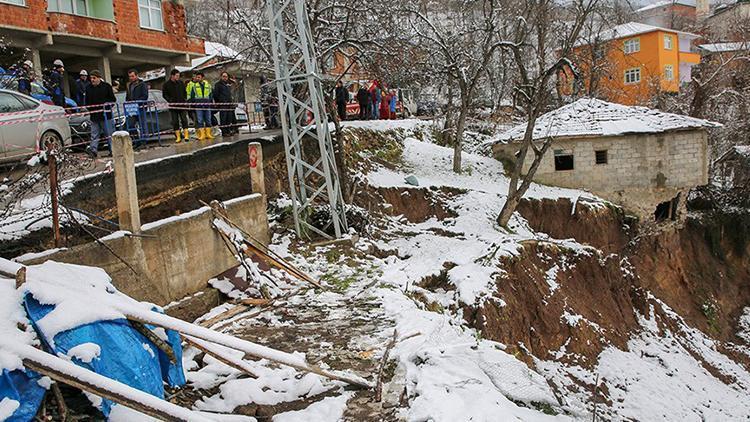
(307, 139)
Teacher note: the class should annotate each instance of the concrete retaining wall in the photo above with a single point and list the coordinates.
(174, 257)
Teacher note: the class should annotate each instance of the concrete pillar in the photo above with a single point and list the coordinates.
(167, 70)
(257, 178)
(103, 65)
(125, 183)
(36, 58)
(66, 83)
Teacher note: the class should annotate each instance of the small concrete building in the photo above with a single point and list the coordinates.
(640, 158)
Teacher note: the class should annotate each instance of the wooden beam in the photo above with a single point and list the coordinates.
(75, 376)
(211, 350)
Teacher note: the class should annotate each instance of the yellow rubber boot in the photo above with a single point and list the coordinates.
(177, 137)
(201, 133)
(209, 135)
(185, 135)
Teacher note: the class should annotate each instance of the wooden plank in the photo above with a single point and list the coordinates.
(212, 350)
(153, 338)
(224, 315)
(78, 377)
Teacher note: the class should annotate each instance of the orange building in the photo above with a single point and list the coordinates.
(632, 63)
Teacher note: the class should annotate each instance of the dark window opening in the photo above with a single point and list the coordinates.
(667, 210)
(601, 157)
(563, 160)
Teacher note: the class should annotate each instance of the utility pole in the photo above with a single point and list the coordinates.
(304, 119)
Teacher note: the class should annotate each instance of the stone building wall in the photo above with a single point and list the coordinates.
(642, 170)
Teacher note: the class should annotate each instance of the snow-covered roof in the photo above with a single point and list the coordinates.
(689, 3)
(725, 47)
(221, 50)
(635, 28)
(589, 117)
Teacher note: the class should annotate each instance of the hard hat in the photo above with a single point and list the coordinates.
(58, 62)
(84, 73)
(28, 63)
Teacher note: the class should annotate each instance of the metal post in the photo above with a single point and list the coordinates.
(52, 162)
(300, 93)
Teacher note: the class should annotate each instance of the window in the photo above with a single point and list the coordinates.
(16, 2)
(632, 45)
(669, 72)
(563, 159)
(10, 103)
(667, 42)
(601, 156)
(77, 7)
(27, 103)
(150, 14)
(633, 76)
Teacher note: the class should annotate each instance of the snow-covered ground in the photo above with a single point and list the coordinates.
(441, 369)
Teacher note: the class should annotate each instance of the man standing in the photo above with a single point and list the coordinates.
(377, 97)
(99, 99)
(342, 97)
(199, 92)
(223, 94)
(174, 92)
(137, 91)
(363, 98)
(54, 83)
(81, 84)
(25, 76)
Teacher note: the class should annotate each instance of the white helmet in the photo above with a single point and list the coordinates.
(58, 62)
(29, 63)
(84, 73)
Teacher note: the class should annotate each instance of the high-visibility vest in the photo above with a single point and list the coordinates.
(198, 90)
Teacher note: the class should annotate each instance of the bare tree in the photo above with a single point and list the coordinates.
(460, 39)
(541, 45)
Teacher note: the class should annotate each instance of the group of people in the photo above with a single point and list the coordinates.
(202, 99)
(375, 102)
(198, 97)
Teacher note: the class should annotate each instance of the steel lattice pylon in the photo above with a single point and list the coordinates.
(301, 96)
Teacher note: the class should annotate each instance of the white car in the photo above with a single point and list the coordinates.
(27, 125)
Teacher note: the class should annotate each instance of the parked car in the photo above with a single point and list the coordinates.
(28, 125)
(38, 91)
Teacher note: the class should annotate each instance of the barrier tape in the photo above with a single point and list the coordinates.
(107, 138)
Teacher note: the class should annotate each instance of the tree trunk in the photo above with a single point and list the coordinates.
(460, 125)
(514, 193)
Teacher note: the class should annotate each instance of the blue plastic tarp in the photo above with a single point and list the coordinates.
(125, 354)
(23, 387)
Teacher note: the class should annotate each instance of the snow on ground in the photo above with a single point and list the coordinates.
(330, 409)
(11, 314)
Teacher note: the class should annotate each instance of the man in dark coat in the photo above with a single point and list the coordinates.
(363, 98)
(99, 99)
(54, 83)
(81, 84)
(137, 91)
(342, 97)
(174, 92)
(223, 95)
(25, 76)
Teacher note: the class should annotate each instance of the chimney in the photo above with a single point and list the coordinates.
(702, 10)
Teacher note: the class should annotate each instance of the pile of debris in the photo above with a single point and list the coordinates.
(69, 324)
